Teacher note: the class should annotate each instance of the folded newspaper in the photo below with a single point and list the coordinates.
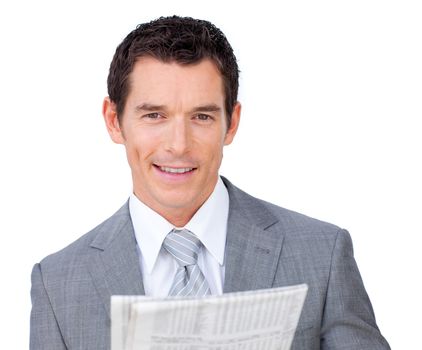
(263, 319)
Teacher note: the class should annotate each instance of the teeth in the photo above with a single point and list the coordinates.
(175, 170)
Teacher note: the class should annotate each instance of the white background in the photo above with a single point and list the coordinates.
(331, 94)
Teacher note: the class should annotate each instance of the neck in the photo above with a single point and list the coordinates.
(177, 216)
(178, 219)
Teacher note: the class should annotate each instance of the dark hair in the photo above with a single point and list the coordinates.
(181, 39)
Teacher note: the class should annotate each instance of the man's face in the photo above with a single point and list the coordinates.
(173, 128)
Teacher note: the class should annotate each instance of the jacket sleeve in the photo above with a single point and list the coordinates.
(45, 333)
(348, 319)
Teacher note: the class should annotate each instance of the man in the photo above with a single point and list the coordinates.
(172, 103)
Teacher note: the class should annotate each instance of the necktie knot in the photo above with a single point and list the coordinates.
(183, 245)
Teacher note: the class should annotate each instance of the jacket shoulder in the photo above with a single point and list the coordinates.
(73, 254)
(297, 223)
(291, 222)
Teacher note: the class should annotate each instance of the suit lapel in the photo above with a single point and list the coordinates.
(114, 261)
(253, 247)
(251, 254)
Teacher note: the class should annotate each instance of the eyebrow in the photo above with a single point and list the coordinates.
(207, 108)
(149, 107)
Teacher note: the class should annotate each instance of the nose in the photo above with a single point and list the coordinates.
(179, 137)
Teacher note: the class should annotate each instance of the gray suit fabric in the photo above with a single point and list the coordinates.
(267, 246)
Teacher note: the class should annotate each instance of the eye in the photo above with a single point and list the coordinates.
(152, 116)
(203, 117)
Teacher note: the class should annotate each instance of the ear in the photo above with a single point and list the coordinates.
(112, 121)
(231, 131)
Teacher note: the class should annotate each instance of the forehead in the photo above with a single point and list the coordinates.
(168, 82)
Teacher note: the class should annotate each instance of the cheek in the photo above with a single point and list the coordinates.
(133, 157)
(215, 152)
(209, 141)
(137, 153)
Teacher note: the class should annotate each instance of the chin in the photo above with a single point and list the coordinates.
(176, 202)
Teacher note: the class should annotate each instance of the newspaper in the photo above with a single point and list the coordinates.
(262, 319)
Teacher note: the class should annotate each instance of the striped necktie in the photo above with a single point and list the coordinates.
(184, 246)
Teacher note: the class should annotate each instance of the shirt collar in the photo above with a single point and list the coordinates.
(209, 224)
(150, 230)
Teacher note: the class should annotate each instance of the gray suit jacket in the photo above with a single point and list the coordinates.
(267, 246)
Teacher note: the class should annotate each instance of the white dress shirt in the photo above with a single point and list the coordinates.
(209, 224)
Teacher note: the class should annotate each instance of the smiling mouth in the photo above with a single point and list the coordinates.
(170, 170)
